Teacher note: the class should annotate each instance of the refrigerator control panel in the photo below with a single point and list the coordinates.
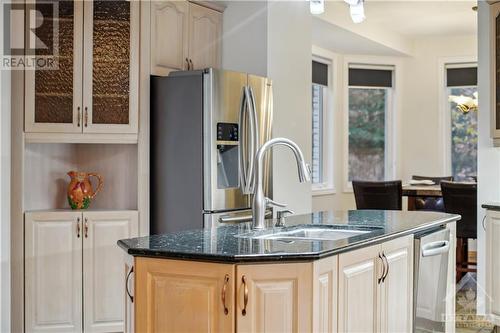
(227, 132)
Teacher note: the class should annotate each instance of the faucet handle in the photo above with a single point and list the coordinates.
(270, 202)
(281, 215)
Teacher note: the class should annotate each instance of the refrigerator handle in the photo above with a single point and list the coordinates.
(255, 135)
(245, 165)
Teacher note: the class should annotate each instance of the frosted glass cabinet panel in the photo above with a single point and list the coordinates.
(53, 93)
(94, 89)
(111, 66)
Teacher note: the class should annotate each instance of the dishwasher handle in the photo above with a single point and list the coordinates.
(435, 248)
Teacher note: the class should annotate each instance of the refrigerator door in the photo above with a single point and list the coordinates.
(223, 97)
(262, 91)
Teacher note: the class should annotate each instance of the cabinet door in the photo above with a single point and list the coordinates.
(278, 298)
(493, 265)
(53, 280)
(357, 296)
(103, 272)
(183, 296)
(53, 94)
(205, 26)
(169, 36)
(325, 300)
(396, 291)
(111, 66)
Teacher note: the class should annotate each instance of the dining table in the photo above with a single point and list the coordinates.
(415, 191)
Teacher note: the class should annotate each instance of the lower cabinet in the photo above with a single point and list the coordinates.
(74, 269)
(366, 290)
(376, 288)
(493, 266)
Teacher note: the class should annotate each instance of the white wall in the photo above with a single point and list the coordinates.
(422, 114)
(488, 156)
(289, 66)
(419, 144)
(244, 34)
(274, 39)
(4, 194)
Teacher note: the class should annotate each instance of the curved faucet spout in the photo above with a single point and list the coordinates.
(260, 202)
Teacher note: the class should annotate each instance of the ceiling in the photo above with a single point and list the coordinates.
(415, 19)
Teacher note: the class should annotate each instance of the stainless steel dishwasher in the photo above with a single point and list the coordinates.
(430, 280)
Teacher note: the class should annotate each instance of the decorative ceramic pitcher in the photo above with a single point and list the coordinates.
(80, 191)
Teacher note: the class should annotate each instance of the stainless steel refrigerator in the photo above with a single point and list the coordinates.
(206, 127)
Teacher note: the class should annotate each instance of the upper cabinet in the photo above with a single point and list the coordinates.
(495, 72)
(184, 36)
(95, 86)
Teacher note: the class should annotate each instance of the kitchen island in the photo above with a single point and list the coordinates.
(324, 272)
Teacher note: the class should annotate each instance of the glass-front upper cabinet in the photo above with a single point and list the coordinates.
(111, 66)
(94, 86)
(53, 88)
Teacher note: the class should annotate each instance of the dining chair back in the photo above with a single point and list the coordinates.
(378, 195)
(461, 198)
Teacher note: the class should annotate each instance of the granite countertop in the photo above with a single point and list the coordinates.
(491, 205)
(225, 244)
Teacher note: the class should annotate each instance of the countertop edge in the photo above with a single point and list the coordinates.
(257, 258)
(491, 206)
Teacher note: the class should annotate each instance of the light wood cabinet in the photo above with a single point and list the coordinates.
(278, 298)
(95, 87)
(375, 296)
(365, 290)
(53, 261)
(70, 254)
(182, 296)
(493, 266)
(184, 36)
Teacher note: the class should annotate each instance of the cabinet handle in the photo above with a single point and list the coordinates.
(86, 117)
(383, 266)
(79, 116)
(223, 295)
(78, 227)
(126, 284)
(187, 63)
(191, 62)
(482, 222)
(86, 228)
(387, 266)
(245, 295)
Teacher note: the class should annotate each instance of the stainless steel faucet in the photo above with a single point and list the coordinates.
(260, 202)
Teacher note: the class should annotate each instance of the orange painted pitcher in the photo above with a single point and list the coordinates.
(80, 191)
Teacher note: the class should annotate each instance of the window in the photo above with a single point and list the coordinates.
(322, 150)
(369, 102)
(461, 86)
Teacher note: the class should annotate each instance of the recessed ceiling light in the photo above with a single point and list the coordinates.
(317, 7)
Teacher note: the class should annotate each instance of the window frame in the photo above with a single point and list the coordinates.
(329, 110)
(391, 119)
(444, 114)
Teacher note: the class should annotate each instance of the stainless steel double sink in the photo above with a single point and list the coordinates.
(310, 232)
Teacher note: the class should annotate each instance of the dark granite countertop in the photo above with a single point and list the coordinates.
(225, 244)
(491, 205)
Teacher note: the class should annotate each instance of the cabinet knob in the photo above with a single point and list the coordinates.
(78, 227)
(86, 117)
(79, 116)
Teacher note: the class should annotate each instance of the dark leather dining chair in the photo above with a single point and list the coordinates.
(461, 198)
(431, 203)
(378, 195)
